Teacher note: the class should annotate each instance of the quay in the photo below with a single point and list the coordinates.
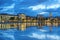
(21, 21)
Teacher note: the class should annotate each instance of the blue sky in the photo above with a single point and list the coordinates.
(30, 7)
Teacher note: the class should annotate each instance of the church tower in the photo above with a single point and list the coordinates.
(50, 14)
(50, 18)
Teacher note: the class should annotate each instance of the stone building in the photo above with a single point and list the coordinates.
(22, 21)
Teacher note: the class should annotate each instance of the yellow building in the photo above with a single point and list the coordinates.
(21, 21)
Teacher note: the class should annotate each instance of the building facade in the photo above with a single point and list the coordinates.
(21, 21)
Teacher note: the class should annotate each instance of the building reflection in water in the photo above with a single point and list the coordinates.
(21, 21)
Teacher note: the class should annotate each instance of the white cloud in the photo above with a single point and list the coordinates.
(7, 35)
(53, 6)
(18, 0)
(37, 36)
(57, 1)
(11, 6)
(37, 7)
(44, 36)
(43, 30)
(42, 6)
(43, 13)
(8, 7)
(56, 37)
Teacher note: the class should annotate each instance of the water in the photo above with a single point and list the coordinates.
(31, 33)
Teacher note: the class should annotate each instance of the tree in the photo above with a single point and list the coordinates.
(12, 18)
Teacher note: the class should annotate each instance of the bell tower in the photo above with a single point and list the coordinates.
(50, 14)
(51, 21)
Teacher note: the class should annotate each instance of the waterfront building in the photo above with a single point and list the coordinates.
(22, 21)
